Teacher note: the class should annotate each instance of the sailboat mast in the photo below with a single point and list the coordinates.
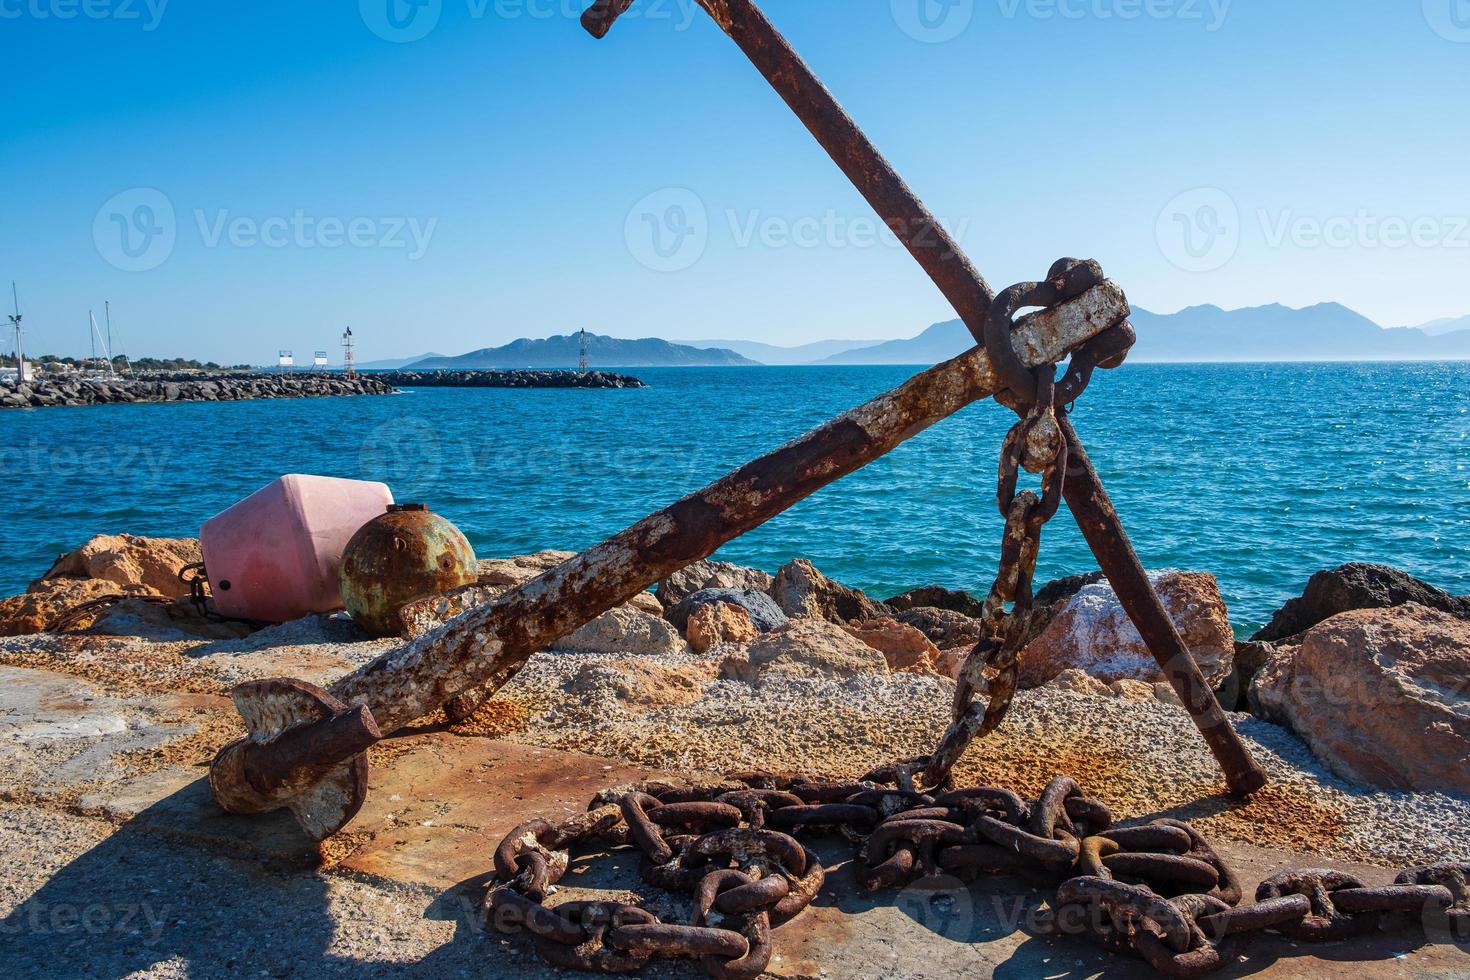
(20, 354)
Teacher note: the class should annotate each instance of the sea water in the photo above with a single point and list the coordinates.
(1261, 474)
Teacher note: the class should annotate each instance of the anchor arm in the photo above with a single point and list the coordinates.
(487, 645)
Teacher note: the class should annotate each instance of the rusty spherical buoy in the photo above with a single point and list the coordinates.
(406, 554)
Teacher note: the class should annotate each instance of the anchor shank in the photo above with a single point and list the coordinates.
(971, 296)
(487, 645)
(1101, 526)
(849, 147)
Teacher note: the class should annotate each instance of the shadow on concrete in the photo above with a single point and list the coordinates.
(186, 889)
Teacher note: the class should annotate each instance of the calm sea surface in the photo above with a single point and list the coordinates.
(1261, 474)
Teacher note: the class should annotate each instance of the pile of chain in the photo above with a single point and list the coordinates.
(1158, 891)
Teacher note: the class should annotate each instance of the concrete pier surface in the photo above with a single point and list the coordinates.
(118, 863)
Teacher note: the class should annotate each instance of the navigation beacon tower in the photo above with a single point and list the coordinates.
(348, 371)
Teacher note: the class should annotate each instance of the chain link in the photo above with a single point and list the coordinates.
(1157, 891)
(1034, 444)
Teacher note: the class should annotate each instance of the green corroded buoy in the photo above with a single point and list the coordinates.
(407, 554)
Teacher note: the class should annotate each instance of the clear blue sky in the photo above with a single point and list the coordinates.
(523, 154)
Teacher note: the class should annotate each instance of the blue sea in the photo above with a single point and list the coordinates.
(1261, 474)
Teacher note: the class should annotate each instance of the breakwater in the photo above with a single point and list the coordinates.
(193, 387)
(47, 392)
(508, 379)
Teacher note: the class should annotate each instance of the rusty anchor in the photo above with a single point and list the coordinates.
(294, 763)
(305, 752)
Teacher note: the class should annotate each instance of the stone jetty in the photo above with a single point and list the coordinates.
(509, 379)
(48, 392)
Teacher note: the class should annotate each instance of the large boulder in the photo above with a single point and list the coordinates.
(707, 574)
(904, 648)
(624, 630)
(719, 622)
(938, 597)
(508, 572)
(761, 608)
(1094, 634)
(127, 560)
(1357, 585)
(803, 648)
(944, 627)
(803, 592)
(1250, 657)
(1380, 695)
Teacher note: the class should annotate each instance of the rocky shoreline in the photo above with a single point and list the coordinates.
(114, 698)
(508, 379)
(186, 387)
(47, 393)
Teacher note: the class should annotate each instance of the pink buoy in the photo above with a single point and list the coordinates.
(275, 555)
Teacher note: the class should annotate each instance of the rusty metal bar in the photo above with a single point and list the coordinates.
(1103, 529)
(971, 296)
(255, 777)
(487, 645)
(848, 146)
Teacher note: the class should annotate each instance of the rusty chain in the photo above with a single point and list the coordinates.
(1157, 891)
(1036, 444)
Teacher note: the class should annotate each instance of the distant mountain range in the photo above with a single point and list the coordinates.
(771, 354)
(564, 352)
(393, 364)
(1325, 332)
(1438, 328)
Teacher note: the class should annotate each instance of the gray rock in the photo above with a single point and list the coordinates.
(1357, 585)
(938, 597)
(624, 630)
(803, 592)
(800, 649)
(945, 628)
(709, 575)
(764, 612)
